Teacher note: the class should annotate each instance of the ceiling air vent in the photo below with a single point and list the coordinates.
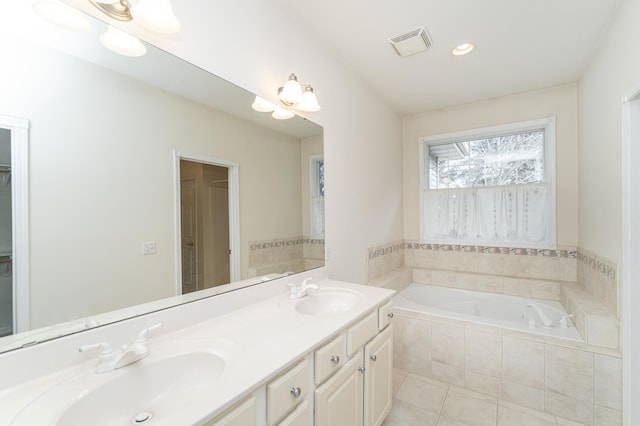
(412, 42)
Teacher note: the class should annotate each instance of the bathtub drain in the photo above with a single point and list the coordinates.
(141, 418)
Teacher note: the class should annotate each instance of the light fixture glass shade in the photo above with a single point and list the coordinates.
(262, 105)
(282, 114)
(61, 15)
(291, 92)
(309, 102)
(156, 15)
(122, 43)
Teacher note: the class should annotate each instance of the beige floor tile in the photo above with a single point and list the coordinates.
(445, 421)
(467, 408)
(422, 392)
(404, 414)
(565, 422)
(508, 416)
(398, 378)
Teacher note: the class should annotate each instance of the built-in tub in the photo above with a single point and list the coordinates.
(500, 310)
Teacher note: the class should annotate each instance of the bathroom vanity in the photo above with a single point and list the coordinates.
(253, 356)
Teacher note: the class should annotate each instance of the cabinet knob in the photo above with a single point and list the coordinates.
(361, 369)
(390, 314)
(373, 358)
(296, 392)
(335, 359)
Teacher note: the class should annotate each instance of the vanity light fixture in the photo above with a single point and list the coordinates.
(61, 14)
(291, 94)
(298, 96)
(153, 15)
(463, 49)
(277, 112)
(280, 113)
(122, 43)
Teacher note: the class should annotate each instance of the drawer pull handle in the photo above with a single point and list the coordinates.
(335, 359)
(296, 392)
(390, 314)
(373, 358)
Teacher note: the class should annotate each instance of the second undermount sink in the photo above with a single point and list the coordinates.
(328, 301)
(154, 392)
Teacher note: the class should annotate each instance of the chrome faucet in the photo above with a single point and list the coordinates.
(109, 360)
(546, 321)
(296, 292)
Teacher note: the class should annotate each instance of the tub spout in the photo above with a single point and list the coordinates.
(543, 317)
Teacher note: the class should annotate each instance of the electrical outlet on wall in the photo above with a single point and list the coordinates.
(149, 247)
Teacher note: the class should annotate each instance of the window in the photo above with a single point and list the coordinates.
(317, 196)
(490, 186)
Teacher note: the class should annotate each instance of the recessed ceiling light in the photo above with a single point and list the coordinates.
(463, 49)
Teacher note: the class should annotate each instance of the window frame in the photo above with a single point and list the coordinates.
(548, 124)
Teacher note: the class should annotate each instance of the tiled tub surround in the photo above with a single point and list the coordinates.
(284, 255)
(586, 285)
(577, 382)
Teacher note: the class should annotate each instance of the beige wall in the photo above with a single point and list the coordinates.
(100, 187)
(560, 101)
(613, 74)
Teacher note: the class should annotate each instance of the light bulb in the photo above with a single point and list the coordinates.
(309, 101)
(282, 114)
(156, 15)
(262, 105)
(122, 43)
(291, 92)
(61, 15)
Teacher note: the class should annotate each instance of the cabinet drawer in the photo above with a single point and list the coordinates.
(362, 332)
(329, 359)
(299, 417)
(242, 415)
(384, 315)
(284, 393)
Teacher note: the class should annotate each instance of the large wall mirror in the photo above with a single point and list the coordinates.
(115, 143)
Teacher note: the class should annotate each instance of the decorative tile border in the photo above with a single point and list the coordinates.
(606, 268)
(563, 253)
(279, 243)
(385, 250)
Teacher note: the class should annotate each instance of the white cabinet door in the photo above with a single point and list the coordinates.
(378, 370)
(339, 401)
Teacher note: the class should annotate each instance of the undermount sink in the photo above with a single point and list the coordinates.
(328, 301)
(147, 392)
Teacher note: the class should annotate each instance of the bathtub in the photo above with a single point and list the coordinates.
(508, 312)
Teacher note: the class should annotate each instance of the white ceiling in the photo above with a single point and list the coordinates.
(521, 45)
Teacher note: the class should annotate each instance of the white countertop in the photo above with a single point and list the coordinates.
(257, 342)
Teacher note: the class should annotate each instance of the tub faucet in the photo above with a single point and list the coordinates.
(543, 317)
(296, 292)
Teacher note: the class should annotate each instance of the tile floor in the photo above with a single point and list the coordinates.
(420, 401)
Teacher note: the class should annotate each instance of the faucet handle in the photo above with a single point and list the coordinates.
(106, 356)
(563, 321)
(142, 336)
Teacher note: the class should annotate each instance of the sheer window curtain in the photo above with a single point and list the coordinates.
(497, 214)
